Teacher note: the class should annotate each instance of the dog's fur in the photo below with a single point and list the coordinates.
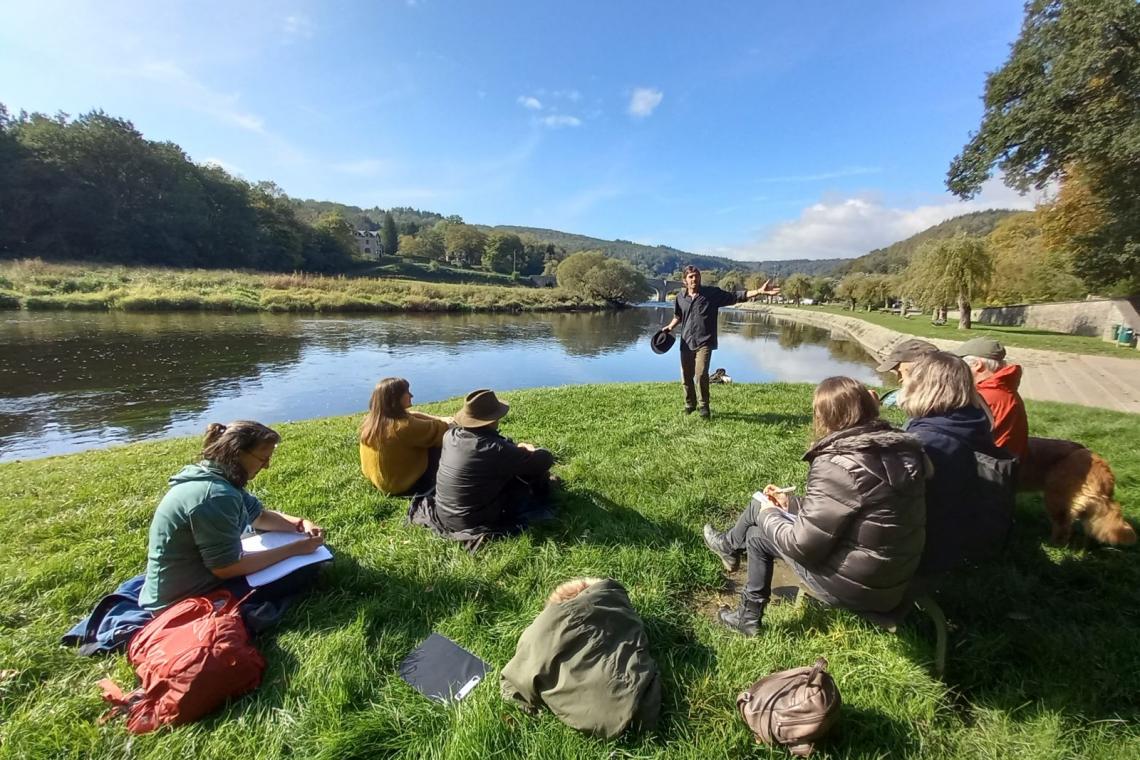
(1078, 485)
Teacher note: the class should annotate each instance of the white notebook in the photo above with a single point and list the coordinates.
(259, 542)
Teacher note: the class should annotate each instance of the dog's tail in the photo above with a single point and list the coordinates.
(1103, 518)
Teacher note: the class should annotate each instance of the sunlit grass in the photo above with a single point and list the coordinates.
(1057, 679)
(1010, 335)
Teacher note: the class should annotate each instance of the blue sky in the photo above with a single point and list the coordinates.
(755, 130)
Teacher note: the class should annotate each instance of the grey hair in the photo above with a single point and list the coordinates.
(993, 365)
(939, 383)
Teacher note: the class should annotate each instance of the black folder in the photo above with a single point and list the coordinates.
(442, 670)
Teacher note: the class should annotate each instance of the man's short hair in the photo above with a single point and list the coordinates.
(690, 269)
(993, 365)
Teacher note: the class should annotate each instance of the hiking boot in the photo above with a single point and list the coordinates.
(690, 409)
(705, 413)
(744, 619)
(717, 544)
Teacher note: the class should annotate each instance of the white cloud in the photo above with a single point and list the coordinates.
(224, 165)
(555, 121)
(643, 101)
(853, 226)
(368, 167)
(189, 91)
(297, 25)
(527, 101)
(852, 171)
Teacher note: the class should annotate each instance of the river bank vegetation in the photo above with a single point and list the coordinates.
(33, 284)
(1043, 659)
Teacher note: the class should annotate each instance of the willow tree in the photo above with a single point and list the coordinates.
(950, 270)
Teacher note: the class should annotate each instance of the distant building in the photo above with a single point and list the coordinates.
(367, 243)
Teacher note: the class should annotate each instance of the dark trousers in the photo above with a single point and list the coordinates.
(695, 373)
(749, 535)
(426, 482)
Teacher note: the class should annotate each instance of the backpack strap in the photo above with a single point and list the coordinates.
(120, 703)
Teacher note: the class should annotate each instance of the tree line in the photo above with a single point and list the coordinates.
(93, 188)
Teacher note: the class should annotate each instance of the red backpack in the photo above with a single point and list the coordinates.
(190, 659)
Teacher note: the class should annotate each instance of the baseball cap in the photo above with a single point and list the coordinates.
(908, 351)
(985, 348)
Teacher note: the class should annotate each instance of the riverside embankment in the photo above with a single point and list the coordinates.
(1099, 381)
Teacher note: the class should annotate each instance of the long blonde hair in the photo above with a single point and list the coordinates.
(939, 383)
(385, 406)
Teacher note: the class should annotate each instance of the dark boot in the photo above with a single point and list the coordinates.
(745, 619)
(690, 409)
(705, 413)
(717, 544)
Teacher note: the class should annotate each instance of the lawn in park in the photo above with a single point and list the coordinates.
(1010, 335)
(1044, 657)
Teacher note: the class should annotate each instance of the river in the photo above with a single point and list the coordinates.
(75, 381)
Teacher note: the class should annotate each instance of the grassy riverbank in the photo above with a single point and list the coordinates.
(1024, 337)
(32, 284)
(1044, 658)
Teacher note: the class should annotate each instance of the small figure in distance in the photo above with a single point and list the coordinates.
(195, 535)
(695, 310)
(399, 447)
(856, 537)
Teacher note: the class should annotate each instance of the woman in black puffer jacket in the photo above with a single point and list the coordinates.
(856, 537)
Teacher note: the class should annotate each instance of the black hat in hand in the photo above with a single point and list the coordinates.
(662, 341)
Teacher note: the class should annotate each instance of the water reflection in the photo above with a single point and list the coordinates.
(75, 381)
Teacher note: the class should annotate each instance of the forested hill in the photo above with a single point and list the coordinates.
(659, 260)
(663, 260)
(895, 257)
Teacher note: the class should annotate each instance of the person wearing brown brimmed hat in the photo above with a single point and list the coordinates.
(904, 355)
(486, 482)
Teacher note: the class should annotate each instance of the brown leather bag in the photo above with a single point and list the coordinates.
(795, 708)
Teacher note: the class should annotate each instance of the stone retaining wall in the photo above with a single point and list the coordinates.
(1092, 317)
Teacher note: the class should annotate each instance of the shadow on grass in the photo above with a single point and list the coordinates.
(796, 421)
(682, 660)
(588, 516)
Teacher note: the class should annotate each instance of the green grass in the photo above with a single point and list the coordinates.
(34, 284)
(1058, 679)
(1025, 337)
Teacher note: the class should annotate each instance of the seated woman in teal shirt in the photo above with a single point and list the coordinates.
(195, 536)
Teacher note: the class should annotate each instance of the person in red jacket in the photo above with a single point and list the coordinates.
(997, 382)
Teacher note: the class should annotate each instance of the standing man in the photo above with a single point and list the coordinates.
(696, 311)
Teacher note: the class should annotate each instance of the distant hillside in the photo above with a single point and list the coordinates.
(895, 257)
(663, 260)
(658, 260)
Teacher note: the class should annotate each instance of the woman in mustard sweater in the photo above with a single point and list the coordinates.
(399, 449)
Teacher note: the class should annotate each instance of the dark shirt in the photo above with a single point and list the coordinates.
(698, 314)
(476, 466)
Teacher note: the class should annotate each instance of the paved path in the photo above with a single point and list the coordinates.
(1101, 381)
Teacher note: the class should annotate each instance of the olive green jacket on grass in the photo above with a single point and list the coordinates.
(588, 660)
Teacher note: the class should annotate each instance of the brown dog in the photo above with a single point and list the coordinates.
(1078, 485)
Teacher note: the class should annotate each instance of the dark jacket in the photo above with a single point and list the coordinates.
(859, 529)
(479, 468)
(953, 512)
(588, 660)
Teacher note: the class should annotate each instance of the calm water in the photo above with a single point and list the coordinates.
(77, 381)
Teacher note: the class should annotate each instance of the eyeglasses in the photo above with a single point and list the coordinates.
(264, 461)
